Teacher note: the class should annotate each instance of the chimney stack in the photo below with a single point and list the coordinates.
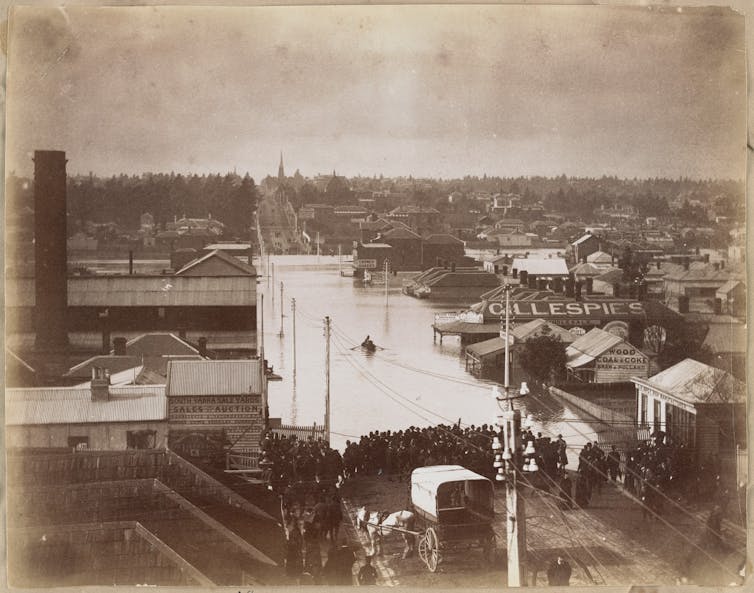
(119, 346)
(100, 385)
(50, 262)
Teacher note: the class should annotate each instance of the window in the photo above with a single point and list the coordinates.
(643, 417)
(161, 312)
(78, 443)
(141, 439)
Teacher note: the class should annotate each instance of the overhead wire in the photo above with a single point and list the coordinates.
(344, 336)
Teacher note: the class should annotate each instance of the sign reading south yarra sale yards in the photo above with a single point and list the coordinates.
(233, 413)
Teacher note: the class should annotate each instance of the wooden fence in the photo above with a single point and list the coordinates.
(302, 433)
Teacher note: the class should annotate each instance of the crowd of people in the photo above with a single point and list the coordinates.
(307, 475)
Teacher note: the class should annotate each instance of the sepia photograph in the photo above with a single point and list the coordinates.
(422, 296)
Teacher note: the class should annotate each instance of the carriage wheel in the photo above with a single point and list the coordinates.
(423, 550)
(432, 549)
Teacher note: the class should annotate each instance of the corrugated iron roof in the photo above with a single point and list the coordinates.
(214, 377)
(487, 347)
(589, 346)
(694, 382)
(74, 405)
(726, 338)
(234, 263)
(159, 344)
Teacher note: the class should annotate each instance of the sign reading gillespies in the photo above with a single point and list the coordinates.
(567, 313)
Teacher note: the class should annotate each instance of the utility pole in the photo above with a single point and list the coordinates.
(387, 279)
(293, 313)
(327, 379)
(508, 462)
(273, 286)
(317, 246)
(340, 272)
(281, 309)
(263, 364)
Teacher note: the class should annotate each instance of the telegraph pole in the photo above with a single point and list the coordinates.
(273, 286)
(262, 363)
(281, 309)
(387, 280)
(293, 313)
(327, 378)
(508, 462)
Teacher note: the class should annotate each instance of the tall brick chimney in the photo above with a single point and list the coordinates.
(50, 284)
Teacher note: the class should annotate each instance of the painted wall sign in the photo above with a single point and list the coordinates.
(366, 264)
(554, 310)
(221, 411)
(622, 357)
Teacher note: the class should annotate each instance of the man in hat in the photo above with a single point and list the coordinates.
(367, 573)
(559, 573)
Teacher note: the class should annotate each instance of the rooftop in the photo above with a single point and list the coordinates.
(74, 405)
(694, 382)
(555, 266)
(589, 346)
(214, 377)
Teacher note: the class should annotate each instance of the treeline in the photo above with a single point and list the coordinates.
(122, 199)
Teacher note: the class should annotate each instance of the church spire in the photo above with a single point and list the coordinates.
(281, 171)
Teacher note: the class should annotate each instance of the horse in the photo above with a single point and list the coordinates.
(377, 524)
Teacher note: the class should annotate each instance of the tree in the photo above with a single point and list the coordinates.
(684, 340)
(543, 357)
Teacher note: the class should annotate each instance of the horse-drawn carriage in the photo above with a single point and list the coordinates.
(455, 508)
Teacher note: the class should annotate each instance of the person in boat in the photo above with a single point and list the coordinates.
(368, 344)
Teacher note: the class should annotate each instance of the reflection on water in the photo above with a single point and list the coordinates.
(411, 381)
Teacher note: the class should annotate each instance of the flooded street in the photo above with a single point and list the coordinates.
(409, 381)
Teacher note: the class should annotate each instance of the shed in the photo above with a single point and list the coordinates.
(602, 357)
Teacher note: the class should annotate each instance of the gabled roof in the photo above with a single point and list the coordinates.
(726, 338)
(74, 405)
(159, 344)
(442, 239)
(229, 266)
(729, 286)
(705, 273)
(125, 377)
(599, 257)
(400, 233)
(589, 346)
(112, 363)
(214, 377)
(611, 276)
(694, 382)
(586, 270)
(581, 239)
(536, 326)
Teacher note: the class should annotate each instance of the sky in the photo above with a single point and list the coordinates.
(428, 91)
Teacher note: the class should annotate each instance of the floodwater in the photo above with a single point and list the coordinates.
(410, 380)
